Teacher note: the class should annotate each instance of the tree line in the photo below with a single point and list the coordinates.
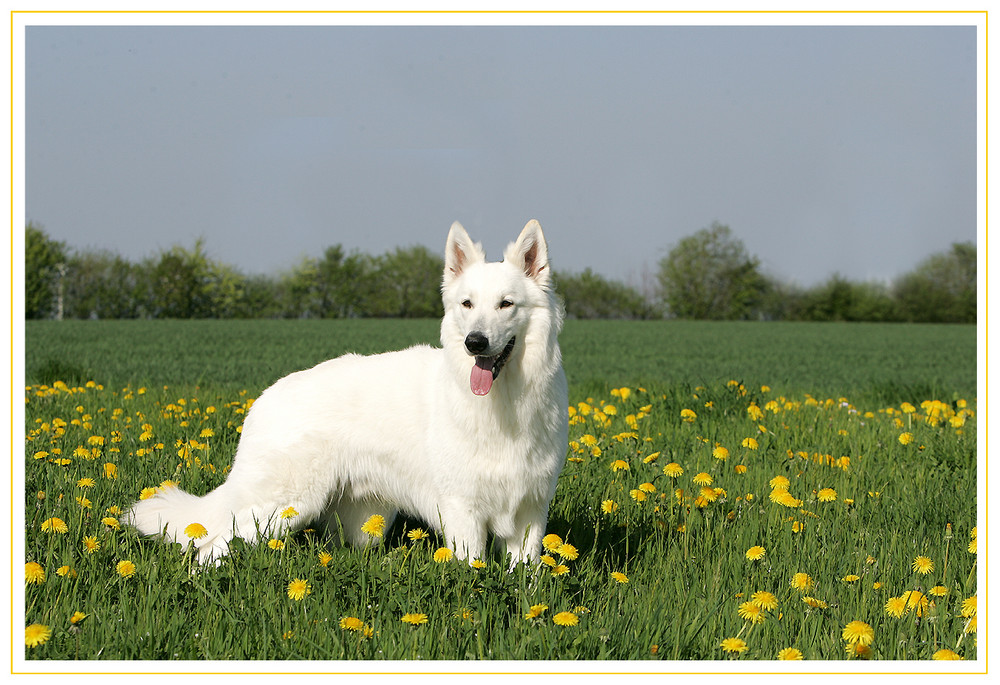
(707, 275)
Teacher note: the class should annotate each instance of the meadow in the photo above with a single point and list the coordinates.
(734, 491)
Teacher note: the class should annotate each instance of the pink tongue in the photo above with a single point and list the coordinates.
(482, 376)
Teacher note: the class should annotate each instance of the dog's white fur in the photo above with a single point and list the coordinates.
(403, 431)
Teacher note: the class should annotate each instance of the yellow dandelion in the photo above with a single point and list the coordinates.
(750, 443)
(688, 415)
(702, 479)
(785, 499)
(551, 542)
(91, 544)
(414, 619)
(276, 544)
(858, 632)
(895, 606)
(110, 471)
(673, 470)
(36, 634)
(77, 617)
(567, 551)
(815, 603)
(535, 611)
(790, 654)
(34, 573)
(916, 602)
(946, 655)
(619, 465)
(938, 591)
(443, 554)
(765, 600)
(779, 482)
(720, 453)
(325, 558)
(905, 438)
(619, 576)
(851, 578)
(858, 650)
(801, 582)
(66, 572)
(374, 526)
(565, 618)
(827, 495)
(969, 608)
(417, 534)
(111, 522)
(749, 611)
(560, 570)
(609, 506)
(125, 569)
(85, 483)
(54, 525)
(755, 553)
(351, 623)
(298, 589)
(922, 565)
(195, 531)
(733, 645)
(289, 513)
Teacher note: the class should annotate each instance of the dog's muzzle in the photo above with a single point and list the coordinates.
(486, 369)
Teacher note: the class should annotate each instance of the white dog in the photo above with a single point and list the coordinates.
(471, 438)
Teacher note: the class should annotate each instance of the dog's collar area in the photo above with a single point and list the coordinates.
(502, 358)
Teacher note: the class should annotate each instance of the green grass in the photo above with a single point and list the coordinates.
(885, 362)
(685, 559)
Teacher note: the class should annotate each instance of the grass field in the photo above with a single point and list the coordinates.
(732, 491)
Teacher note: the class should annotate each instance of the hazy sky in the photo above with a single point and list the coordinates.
(825, 149)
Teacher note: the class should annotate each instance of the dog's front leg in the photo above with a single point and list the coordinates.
(525, 545)
(463, 533)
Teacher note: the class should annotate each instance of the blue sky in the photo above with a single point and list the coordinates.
(847, 150)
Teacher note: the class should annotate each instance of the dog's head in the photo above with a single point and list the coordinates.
(489, 306)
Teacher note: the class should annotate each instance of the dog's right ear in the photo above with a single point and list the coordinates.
(460, 252)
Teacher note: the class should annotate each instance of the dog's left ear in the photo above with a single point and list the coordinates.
(530, 253)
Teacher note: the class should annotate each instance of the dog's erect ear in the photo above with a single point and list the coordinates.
(460, 252)
(530, 253)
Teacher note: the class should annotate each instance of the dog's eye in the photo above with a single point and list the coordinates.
(467, 304)
(506, 304)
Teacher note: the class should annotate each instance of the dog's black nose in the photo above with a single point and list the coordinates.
(476, 343)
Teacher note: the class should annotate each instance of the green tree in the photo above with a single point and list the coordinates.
(589, 295)
(842, 300)
(102, 285)
(336, 285)
(407, 284)
(184, 283)
(44, 264)
(710, 275)
(942, 289)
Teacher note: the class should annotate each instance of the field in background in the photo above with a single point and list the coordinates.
(731, 491)
(887, 362)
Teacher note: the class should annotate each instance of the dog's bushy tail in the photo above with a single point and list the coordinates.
(179, 516)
